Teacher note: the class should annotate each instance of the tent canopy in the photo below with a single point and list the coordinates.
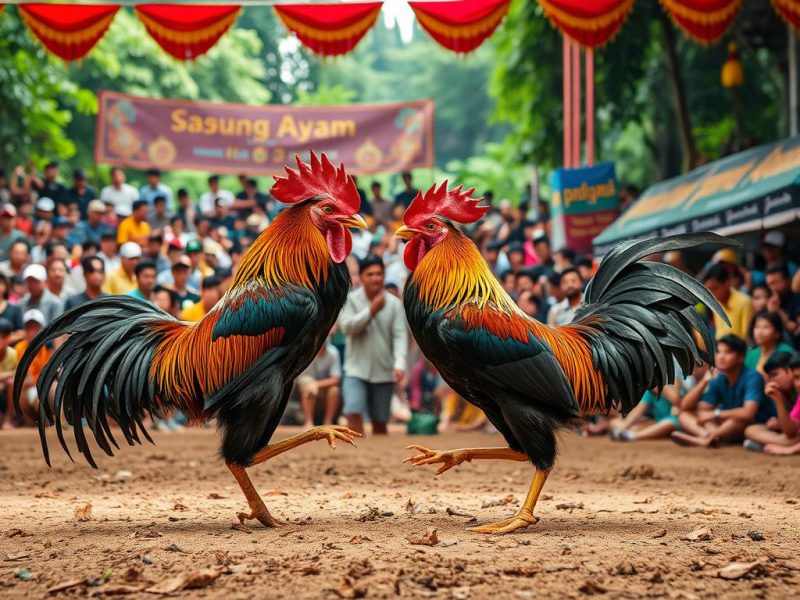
(748, 191)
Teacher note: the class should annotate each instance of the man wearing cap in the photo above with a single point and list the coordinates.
(8, 230)
(210, 295)
(181, 271)
(48, 185)
(33, 322)
(62, 227)
(145, 281)
(94, 275)
(135, 228)
(119, 194)
(123, 279)
(773, 249)
(45, 209)
(214, 191)
(194, 251)
(80, 194)
(93, 227)
(38, 296)
(155, 187)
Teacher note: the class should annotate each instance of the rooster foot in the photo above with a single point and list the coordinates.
(448, 458)
(260, 514)
(522, 520)
(333, 433)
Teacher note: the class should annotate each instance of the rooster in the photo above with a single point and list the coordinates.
(531, 379)
(124, 357)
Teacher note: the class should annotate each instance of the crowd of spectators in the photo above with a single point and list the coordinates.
(63, 245)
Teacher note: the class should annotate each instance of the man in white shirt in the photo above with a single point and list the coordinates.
(208, 198)
(376, 349)
(119, 194)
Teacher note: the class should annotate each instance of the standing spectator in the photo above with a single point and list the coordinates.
(153, 252)
(57, 279)
(80, 194)
(381, 207)
(8, 231)
(94, 275)
(10, 312)
(766, 331)
(48, 185)
(155, 188)
(186, 210)
(123, 279)
(408, 193)
(5, 193)
(783, 429)
(38, 296)
(135, 228)
(210, 295)
(159, 218)
(108, 251)
(181, 270)
(571, 285)
(249, 199)
(119, 195)
(25, 222)
(19, 256)
(723, 403)
(773, 249)
(93, 227)
(782, 300)
(214, 192)
(145, 281)
(377, 345)
(319, 384)
(8, 366)
(736, 304)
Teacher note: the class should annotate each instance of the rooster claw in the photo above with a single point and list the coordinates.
(262, 516)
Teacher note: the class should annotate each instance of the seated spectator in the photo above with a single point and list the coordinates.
(530, 304)
(80, 194)
(145, 281)
(736, 304)
(94, 275)
(123, 279)
(564, 258)
(10, 312)
(759, 296)
(766, 331)
(8, 365)
(571, 286)
(782, 375)
(725, 401)
(508, 280)
(153, 253)
(782, 299)
(19, 257)
(159, 218)
(135, 228)
(181, 270)
(319, 385)
(585, 268)
(155, 188)
(57, 273)
(8, 230)
(34, 321)
(167, 300)
(109, 251)
(516, 256)
(655, 417)
(38, 295)
(209, 296)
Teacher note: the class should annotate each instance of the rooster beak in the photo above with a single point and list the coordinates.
(354, 222)
(404, 233)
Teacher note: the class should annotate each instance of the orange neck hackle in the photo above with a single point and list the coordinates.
(290, 251)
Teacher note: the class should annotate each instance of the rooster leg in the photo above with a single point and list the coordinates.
(325, 432)
(524, 518)
(452, 458)
(258, 509)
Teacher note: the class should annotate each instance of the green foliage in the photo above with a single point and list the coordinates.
(494, 170)
(325, 95)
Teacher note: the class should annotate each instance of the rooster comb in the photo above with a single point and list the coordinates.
(320, 179)
(450, 204)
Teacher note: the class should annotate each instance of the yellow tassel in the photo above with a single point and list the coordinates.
(732, 74)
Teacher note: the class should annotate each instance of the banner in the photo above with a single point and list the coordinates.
(584, 202)
(259, 140)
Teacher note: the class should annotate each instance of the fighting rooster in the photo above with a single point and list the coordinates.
(124, 357)
(531, 379)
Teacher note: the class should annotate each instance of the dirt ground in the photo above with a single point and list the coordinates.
(616, 520)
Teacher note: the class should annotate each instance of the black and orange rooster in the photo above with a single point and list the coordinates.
(531, 379)
(124, 357)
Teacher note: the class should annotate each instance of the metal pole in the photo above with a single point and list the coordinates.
(589, 106)
(566, 101)
(792, 81)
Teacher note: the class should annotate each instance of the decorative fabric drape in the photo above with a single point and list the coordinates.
(329, 29)
(69, 31)
(705, 21)
(789, 10)
(187, 31)
(591, 23)
(460, 26)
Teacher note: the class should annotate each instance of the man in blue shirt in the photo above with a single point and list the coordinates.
(145, 281)
(154, 188)
(725, 401)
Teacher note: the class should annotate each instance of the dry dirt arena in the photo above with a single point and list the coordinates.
(617, 521)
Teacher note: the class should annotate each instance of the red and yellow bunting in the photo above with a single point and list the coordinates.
(69, 31)
(187, 31)
(460, 26)
(703, 20)
(789, 10)
(591, 23)
(329, 29)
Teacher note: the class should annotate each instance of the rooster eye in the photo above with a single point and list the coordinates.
(327, 209)
(431, 226)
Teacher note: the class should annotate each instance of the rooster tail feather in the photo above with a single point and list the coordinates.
(640, 318)
(101, 370)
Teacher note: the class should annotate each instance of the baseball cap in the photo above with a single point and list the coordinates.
(78, 174)
(212, 247)
(725, 255)
(774, 238)
(175, 244)
(130, 250)
(183, 261)
(194, 246)
(35, 271)
(97, 206)
(8, 210)
(46, 204)
(35, 315)
(60, 221)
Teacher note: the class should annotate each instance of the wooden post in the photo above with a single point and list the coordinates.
(576, 104)
(589, 106)
(566, 102)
